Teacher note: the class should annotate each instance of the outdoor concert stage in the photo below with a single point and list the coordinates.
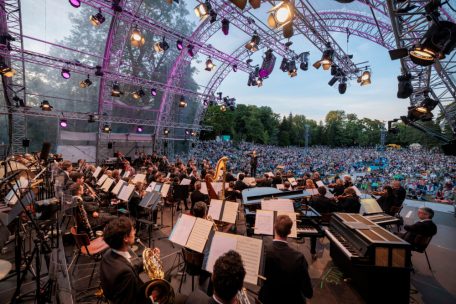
(329, 286)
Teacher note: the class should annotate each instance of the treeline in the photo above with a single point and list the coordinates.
(339, 129)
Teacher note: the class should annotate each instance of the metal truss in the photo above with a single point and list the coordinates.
(13, 88)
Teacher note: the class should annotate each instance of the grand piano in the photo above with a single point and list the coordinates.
(376, 261)
(309, 219)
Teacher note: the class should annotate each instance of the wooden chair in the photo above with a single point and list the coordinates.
(92, 249)
(193, 264)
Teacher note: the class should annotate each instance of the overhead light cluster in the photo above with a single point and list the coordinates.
(326, 58)
(254, 42)
(97, 19)
(116, 91)
(241, 4)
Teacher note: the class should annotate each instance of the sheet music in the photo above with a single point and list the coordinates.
(126, 174)
(164, 190)
(215, 209)
(264, 222)
(168, 175)
(107, 184)
(199, 235)
(97, 172)
(280, 204)
(369, 206)
(126, 193)
(292, 215)
(221, 243)
(117, 187)
(182, 229)
(328, 194)
(217, 187)
(230, 212)
(139, 178)
(102, 179)
(185, 182)
(320, 184)
(292, 181)
(204, 188)
(250, 251)
(250, 181)
(151, 187)
(158, 187)
(312, 191)
(280, 186)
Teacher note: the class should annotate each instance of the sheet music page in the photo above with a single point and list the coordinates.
(164, 190)
(221, 243)
(292, 180)
(139, 178)
(107, 184)
(215, 208)
(250, 181)
(204, 188)
(126, 174)
(151, 187)
(230, 212)
(97, 172)
(279, 204)
(126, 193)
(168, 175)
(217, 187)
(312, 191)
(102, 179)
(182, 229)
(328, 194)
(264, 222)
(250, 251)
(320, 184)
(185, 182)
(117, 187)
(292, 215)
(357, 190)
(369, 206)
(199, 235)
(280, 186)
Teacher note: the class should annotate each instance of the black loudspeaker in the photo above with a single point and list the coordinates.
(45, 151)
(109, 145)
(450, 148)
(26, 143)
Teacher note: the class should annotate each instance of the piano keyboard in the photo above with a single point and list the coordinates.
(345, 246)
(308, 230)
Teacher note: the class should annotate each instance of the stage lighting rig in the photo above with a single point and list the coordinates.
(292, 70)
(65, 73)
(343, 85)
(63, 123)
(268, 64)
(136, 37)
(281, 14)
(85, 83)
(252, 45)
(225, 26)
(75, 3)
(106, 128)
(326, 59)
(405, 88)
(365, 78)
(209, 64)
(161, 46)
(6, 70)
(182, 102)
(284, 65)
(138, 94)
(115, 91)
(304, 58)
(46, 106)
(202, 10)
(97, 19)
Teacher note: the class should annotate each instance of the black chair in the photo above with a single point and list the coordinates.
(420, 244)
(193, 263)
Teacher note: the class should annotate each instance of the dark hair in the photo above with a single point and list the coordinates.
(389, 191)
(74, 189)
(75, 175)
(66, 165)
(322, 190)
(428, 211)
(282, 225)
(228, 275)
(241, 176)
(116, 230)
(200, 209)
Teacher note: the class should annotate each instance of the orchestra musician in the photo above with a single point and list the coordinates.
(425, 227)
(338, 187)
(386, 199)
(198, 196)
(63, 178)
(399, 193)
(240, 185)
(287, 276)
(349, 201)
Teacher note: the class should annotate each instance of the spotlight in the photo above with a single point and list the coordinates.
(239, 3)
(268, 64)
(225, 26)
(304, 61)
(343, 86)
(326, 58)
(139, 129)
(91, 118)
(292, 70)
(365, 78)
(190, 50)
(99, 71)
(116, 92)
(106, 128)
(194, 133)
(63, 123)
(182, 102)
(427, 105)
(404, 88)
(202, 10)
(165, 131)
(417, 113)
(252, 45)
(223, 108)
(234, 68)
(284, 65)
(75, 3)
(6, 70)
(162, 46)
(255, 3)
(136, 38)
(153, 92)
(209, 64)
(259, 82)
(65, 73)
(213, 15)
(45, 106)
(138, 94)
(116, 6)
(179, 45)
(281, 14)
(187, 132)
(85, 83)
(97, 19)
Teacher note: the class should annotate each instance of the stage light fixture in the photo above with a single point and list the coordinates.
(161, 46)
(75, 3)
(6, 70)
(225, 26)
(46, 106)
(255, 3)
(136, 37)
(85, 83)
(165, 131)
(304, 57)
(182, 102)
(153, 92)
(138, 94)
(281, 14)
(365, 78)
(268, 64)
(190, 50)
(284, 65)
(106, 128)
(239, 3)
(65, 73)
(292, 70)
(405, 87)
(259, 82)
(209, 64)
(202, 10)
(139, 129)
(427, 105)
(326, 58)
(223, 108)
(235, 67)
(343, 86)
(187, 132)
(97, 19)
(63, 123)
(179, 45)
(213, 15)
(252, 45)
(99, 71)
(116, 6)
(115, 91)
(194, 133)
(91, 118)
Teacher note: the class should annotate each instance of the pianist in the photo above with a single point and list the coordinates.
(287, 276)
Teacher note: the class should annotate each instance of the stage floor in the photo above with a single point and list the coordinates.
(329, 285)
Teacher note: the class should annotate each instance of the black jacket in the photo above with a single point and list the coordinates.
(240, 185)
(349, 204)
(399, 196)
(424, 228)
(120, 279)
(199, 297)
(322, 204)
(198, 196)
(287, 277)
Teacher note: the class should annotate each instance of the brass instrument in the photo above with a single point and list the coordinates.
(153, 266)
(242, 297)
(92, 192)
(209, 218)
(85, 219)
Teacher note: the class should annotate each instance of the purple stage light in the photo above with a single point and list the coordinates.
(190, 51)
(153, 92)
(75, 3)
(63, 123)
(179, 45)
(139, 129)
(263, 73)
(65, 73)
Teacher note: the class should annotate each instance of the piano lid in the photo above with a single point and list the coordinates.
(255, 195)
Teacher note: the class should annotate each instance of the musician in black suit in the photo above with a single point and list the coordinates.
(424, 227)
(253, 163)
(198, 196)
(119, 274)
(227, 278)
(321, 203)
(399, 193)
(287, 277)
(349, 202)
(240, 185)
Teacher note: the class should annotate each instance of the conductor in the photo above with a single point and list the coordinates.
(253, 163)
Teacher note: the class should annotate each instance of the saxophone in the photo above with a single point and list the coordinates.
(153, 266)
(85, 219)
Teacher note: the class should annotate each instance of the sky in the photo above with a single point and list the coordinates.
(307, 94)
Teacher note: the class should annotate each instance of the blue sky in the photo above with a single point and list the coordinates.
(307, 94)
